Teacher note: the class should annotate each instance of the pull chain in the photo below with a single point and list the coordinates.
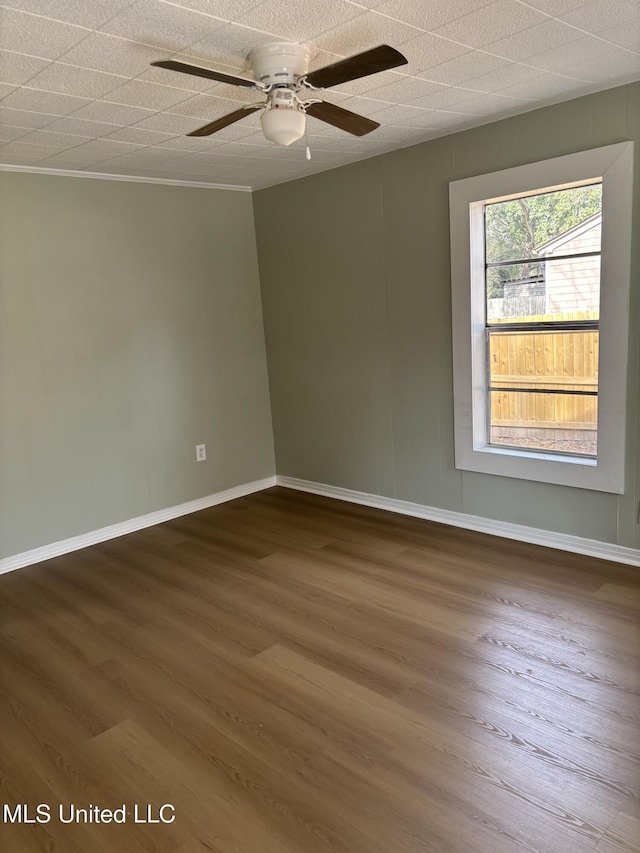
(307, 152)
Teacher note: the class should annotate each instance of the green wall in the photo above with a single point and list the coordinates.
(357, 309)
(131, 330)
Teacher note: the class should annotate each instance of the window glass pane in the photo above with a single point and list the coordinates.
(561, 423)
(564, 222)
(559, 290)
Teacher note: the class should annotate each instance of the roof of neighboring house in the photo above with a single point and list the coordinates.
(570, 234)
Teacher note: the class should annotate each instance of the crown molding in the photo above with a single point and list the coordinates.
(103, 176)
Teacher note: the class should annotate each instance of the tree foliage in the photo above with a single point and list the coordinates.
(516, 229)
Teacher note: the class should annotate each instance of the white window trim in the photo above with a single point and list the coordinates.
(614, 164)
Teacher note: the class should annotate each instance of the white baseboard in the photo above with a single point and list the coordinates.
(66, 546)
(533, 535)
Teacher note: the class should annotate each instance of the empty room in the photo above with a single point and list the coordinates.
(320, 426)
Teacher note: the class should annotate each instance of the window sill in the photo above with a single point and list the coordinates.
(577, 472)
(519, 453)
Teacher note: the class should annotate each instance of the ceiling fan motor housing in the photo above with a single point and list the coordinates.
(280, 63)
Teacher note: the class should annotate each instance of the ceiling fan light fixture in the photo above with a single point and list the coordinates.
(283, 125)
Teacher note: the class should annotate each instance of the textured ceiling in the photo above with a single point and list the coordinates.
(77, 91)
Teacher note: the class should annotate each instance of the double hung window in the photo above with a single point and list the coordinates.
(540, 260)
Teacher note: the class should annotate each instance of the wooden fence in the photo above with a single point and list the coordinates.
(511, 306)
(563, 360)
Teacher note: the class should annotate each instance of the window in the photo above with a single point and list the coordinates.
(540, 260)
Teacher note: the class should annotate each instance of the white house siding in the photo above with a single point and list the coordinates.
(574, 285)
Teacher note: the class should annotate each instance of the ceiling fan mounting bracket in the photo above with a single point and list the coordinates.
(303, 84)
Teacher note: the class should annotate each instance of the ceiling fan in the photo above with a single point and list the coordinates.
(281, 73)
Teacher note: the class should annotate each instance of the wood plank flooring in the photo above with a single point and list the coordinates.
(294, 674)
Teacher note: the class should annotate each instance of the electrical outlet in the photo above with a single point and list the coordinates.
(201, 452)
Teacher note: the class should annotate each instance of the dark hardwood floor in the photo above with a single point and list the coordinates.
(294, 674)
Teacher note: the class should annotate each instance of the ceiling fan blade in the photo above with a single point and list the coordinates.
(372, 61)
(344, 119)
(174, 65)
(225, 121)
